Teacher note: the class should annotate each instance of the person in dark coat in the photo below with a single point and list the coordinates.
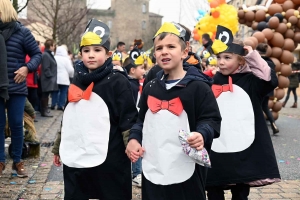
(48, 76)
(294, 84)
(262, 50)
(16, 41)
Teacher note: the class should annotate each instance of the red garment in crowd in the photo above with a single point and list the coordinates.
(31, 79)
(208, 73)
(141, 84)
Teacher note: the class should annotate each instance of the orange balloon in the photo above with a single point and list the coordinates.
(216, 14)
(196, 37)
(214, 4)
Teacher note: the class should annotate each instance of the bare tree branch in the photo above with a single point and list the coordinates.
(21, 9)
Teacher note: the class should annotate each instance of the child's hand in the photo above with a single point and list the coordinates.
(56, 160)
(248, 48)
(134, 150)
(196, 141)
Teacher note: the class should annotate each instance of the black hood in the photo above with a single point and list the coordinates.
(192, 74)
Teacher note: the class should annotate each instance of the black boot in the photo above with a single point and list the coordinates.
(274, 128)
(44, 110)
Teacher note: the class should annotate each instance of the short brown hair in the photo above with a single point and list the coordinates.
(49, 43)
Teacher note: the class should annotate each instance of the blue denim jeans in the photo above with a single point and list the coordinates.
(59, 97)
(15, 111)
(137, 168)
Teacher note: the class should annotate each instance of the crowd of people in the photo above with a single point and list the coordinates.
(122, 111)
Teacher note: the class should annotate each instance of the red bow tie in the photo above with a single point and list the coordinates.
(76, 94)
(174, 105)
(218, 89)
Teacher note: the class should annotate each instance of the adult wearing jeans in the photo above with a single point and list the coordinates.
(65, 71)
(16, 42)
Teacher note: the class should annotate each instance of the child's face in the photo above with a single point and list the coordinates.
(228, 63)
(168, 52)
(93, 57)
(138, 72)
(211, 67)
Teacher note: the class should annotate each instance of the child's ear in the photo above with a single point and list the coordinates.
(132, 70)
(185, 53)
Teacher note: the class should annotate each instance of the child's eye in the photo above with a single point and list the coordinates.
(97, 50)
(86, 51)
(158, 48)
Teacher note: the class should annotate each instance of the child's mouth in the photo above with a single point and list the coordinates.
(165, 60)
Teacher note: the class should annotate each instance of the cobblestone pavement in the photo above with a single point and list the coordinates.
(39, 186)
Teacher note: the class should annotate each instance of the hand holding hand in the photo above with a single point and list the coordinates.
(134, 150)
(196, 141)
(21, 74)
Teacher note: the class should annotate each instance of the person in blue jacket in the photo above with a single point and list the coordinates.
(17, 42)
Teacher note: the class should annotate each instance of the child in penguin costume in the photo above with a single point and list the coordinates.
(177, 99)
(96, 123)
(243, 156)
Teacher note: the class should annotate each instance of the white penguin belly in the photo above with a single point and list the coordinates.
(164, 162)
(237, 127)
(85, 133)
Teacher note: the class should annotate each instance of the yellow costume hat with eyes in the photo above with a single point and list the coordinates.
(96, 33)
(171, 27)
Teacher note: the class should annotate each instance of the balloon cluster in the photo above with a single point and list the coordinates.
(201, 13)
(279, 27)
(220, 14)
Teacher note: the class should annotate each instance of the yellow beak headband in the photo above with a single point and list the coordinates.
(223, 42)
(96, 33)
(211, 61)
(137, 57)
(172, 27)
(117, 56)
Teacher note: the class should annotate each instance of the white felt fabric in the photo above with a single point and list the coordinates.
(85, 133)
(237, 127)
(164, 161)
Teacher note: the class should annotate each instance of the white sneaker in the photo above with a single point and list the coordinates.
(137, 181)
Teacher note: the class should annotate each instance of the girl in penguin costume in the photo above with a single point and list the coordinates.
(96, 123)
(243, 156)
(177, 99)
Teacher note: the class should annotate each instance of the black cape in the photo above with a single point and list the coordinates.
(111, 180)
(258, 161)
(203, 114)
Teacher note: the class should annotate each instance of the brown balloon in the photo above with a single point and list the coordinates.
(274, 8)
(259, 36)
(277, 40)
(296, 2)
(279, 93)
(242, 21)
(297, 37)
(268, 33)
(241, 14)
(249, 42)
(277, 64)
(254, 25)
(289, 44)
(275, 115)
(249, 16)
(282, 28)
(273, 22)
(249, 23)
(269, 51)
(289, 34)
(277, 106)
(293, 20)
(283, 82)
(260, 15)
(254, 39)
(287, 5)
(276, 52)
(286, 57)
(270, 103)
(279, 1)
(286, 70)
(298, 24)
(289, 13)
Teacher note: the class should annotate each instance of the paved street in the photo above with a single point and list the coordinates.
(45, 181)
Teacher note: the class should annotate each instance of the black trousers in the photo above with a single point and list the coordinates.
(33, 98)
(239, 192)
(266, 109)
